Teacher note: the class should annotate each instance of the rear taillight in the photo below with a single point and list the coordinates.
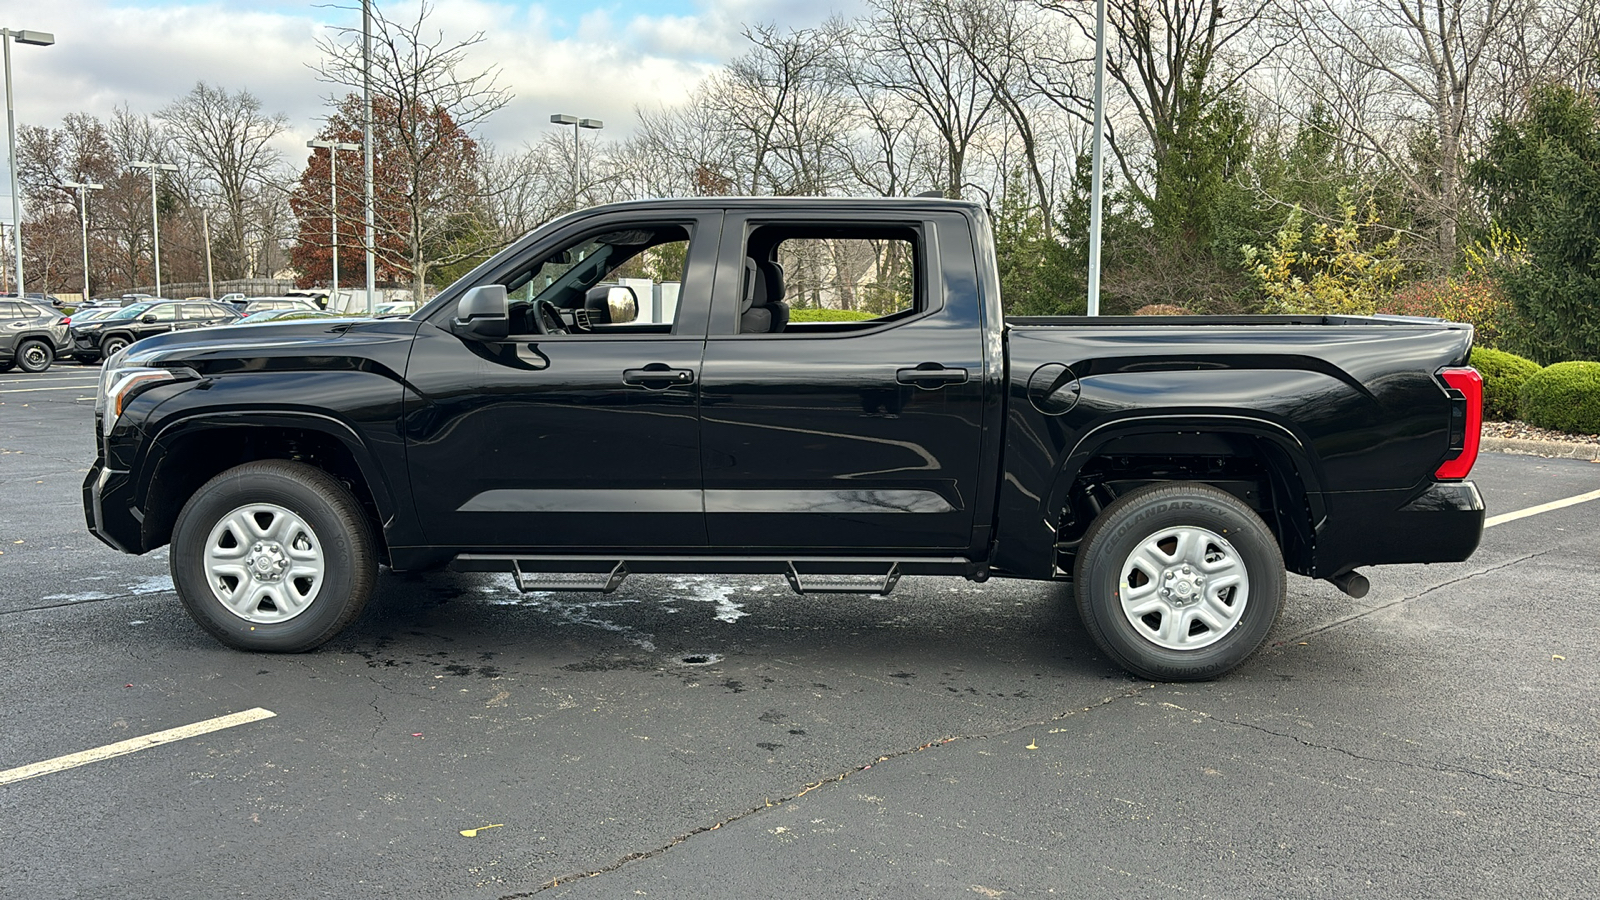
(66, 320)
(1465, 389)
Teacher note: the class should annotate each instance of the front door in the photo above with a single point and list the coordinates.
(586, 440)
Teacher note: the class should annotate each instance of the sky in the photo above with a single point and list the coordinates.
(598, 60)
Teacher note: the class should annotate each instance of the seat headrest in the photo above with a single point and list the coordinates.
(772, 275)
(752, 281)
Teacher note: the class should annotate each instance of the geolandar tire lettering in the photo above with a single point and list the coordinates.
(273, 555)
(1179, 581)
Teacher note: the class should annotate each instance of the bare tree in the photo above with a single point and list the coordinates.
(1172, 61)
(228, 142)
(907, 49)
(1395, 71)
(428, 106)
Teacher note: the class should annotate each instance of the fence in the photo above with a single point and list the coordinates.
(250, 287)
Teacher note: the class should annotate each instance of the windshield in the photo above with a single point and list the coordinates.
(130, 312)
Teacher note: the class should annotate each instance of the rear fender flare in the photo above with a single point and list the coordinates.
(1092, 441)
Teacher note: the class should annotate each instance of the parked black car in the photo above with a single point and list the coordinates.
(103, 337)
(31, 336)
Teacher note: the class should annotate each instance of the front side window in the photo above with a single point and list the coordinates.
(621, 281)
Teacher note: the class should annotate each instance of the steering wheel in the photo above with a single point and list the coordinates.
(547, 318)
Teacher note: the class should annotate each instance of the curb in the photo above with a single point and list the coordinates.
(1552, 449)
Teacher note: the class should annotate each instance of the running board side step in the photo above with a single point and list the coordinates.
(605, 583)
(867, 584)
(805, 575)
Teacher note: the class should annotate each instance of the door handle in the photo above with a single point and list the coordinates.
(931, 376)
(657, 377)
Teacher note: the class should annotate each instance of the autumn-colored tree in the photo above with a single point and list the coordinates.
(426, 216)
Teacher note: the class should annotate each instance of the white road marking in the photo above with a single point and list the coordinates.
(1501, 519)
(133, 745)
(70, 387)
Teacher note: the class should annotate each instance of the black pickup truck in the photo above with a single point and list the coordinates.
(821, 389)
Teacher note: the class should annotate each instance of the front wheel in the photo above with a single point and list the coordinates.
(112, 345)
(1179, 581)
(273, 555)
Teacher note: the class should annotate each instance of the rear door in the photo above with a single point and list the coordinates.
(857, 426)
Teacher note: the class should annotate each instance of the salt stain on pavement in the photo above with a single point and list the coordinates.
(570, 612)
(159, 584)
(705, 590)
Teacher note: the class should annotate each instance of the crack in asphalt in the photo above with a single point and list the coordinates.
(1440, 768)
(1417, 596)
(832, 779)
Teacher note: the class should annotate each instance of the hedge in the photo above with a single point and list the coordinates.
(1503, 376)
(829, 315)
(1564, 396)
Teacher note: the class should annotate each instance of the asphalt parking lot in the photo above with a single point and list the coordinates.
(721, 737)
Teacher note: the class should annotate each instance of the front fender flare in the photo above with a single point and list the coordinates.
(155, 450)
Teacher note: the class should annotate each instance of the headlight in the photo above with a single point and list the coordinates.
(121, 381)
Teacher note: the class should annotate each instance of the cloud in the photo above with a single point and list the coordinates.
(613, 59)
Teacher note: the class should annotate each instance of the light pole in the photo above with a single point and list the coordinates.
(155, 222)
(333, 148)
(577, 157)
(83, 188)
(38, 39)
(205, 226)
(366, 144)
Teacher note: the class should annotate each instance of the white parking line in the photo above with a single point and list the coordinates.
(69, 387)
(133, 745)
(1501, 519)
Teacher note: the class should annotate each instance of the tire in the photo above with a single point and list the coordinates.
(273, 556)
(110, 346)
(1179, 581)
(34, 356)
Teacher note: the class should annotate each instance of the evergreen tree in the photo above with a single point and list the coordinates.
(1541, 177)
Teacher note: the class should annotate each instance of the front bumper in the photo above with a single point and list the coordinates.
(108, 508)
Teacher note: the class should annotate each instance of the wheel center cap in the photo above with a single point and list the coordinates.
(268, 562)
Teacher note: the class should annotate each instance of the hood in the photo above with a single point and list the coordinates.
(271, 344)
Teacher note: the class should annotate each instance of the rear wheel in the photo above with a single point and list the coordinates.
(1179, 581)
(273, 555)
(34, 356)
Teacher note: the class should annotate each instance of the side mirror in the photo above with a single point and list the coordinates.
(623, 304)
(483, 314)
(149, 319)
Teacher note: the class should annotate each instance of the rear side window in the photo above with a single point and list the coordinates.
(835, 278)
(12, 311)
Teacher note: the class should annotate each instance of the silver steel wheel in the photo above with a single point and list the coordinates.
(264, 563)
(111, 346)
(1184, 588)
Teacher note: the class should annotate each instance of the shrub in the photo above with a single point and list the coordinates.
(1477, 301)
(829, 315)
(1565, 396)
(1503, 376)
(1338, 269)
(1161, 309)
